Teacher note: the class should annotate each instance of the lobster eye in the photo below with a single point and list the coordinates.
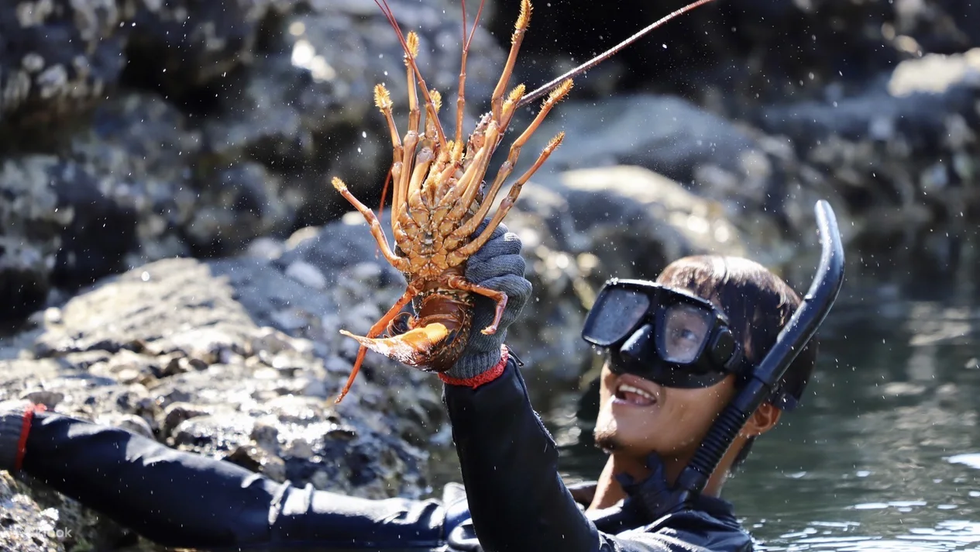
(399, 324)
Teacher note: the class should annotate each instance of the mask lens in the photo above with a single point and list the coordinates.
(615, 315)
(685, 330)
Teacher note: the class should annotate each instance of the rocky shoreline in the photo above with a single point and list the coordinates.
(172, 260)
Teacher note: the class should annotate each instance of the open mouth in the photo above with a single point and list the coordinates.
(634, 395)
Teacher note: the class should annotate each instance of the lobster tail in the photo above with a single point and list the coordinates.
(413, 347)
(434, 341)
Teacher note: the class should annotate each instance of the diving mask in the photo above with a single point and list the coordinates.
(662, 334)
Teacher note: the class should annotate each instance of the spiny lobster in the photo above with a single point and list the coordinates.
(439, 199)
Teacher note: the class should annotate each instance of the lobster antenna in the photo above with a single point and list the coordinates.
(544, 89)
(467, 39)
(390, 15)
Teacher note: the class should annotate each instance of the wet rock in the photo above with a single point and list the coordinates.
(344, 252)
(306, 274)
(734, 53)
(942, 27)
(237, 205)
(23, 524)
(663, 133)
(139, 149)
(757, 179)
(117, 316)
(182, 44)
(60, 227)
(125, 195)
(902, 152)
(46, 397)
(59, 59)
(30, 241)
(34, 519)
(73, 218)
(177, 413)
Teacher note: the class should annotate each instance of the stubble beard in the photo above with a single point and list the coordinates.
(605, 439)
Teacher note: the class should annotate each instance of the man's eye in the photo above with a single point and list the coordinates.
(684, 333)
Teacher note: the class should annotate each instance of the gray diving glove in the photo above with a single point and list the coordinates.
(498, 265)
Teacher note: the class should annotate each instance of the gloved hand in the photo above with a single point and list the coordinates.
(652, 497)
(498, 265)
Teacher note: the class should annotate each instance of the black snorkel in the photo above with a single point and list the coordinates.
(763, 381)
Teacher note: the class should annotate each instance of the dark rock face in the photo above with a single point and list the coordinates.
(180, 45)
(745, 50)
(57, 58)
(902, 153)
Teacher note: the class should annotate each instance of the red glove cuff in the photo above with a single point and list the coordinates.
(486, 377)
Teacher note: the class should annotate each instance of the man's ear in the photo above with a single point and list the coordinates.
(764, 419)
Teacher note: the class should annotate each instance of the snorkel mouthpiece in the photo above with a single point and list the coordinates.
(764, 379)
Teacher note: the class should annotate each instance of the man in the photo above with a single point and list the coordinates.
(679, 350)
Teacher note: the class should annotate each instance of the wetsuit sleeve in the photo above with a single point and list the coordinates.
(509, 464)
(181, 499)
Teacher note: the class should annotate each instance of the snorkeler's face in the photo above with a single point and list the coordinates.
(638, 416)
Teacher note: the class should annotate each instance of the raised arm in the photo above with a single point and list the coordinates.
(510, 469)
(509, 461)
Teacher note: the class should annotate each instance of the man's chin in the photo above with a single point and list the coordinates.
(612, 440)
(607, 443)
(607, 437)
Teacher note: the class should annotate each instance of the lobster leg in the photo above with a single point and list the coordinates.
(382, 99)
(400, 263)
(458, 282)
(507, 166)
(465, 252)
(414, 115)
(375, 331)
(523, 20)
(468, 186)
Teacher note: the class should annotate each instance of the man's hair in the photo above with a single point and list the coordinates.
(758, 304)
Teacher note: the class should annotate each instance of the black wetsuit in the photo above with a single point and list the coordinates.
(516, 498)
